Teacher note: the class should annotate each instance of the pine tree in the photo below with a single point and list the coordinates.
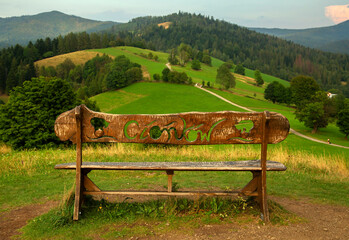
(258, 78)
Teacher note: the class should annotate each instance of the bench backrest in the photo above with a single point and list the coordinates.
(194, 128)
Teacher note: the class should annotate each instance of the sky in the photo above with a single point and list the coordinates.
(294, 14)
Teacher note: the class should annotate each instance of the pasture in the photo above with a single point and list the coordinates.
(316, 172)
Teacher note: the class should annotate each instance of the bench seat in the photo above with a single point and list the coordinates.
(250, 165)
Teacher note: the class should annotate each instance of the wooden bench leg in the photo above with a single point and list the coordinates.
(262, 196)
(251, 188)
(89, 185)
(170, 174)
(78, 195)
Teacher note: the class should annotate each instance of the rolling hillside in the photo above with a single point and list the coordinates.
(23, 29)
(155, 98)
(332, 39)
(143, 99)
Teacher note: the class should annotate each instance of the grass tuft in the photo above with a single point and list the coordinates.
(163, 213)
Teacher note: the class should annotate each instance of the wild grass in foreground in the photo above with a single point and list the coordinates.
(150, 218)
(28, 177)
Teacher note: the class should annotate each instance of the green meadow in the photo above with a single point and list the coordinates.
(317, 172)
(245, 93)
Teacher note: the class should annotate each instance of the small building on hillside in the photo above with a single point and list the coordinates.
(331, 95)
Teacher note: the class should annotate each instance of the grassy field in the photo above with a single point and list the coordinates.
(133, 54)
(315, 171)
(29, 178)
(160, 98)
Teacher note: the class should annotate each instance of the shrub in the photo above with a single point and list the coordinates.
(27, 120)
(195, 64)
(156, 77)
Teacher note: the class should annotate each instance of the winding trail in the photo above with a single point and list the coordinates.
(291, 130)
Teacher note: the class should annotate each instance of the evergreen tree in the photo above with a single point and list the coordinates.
(195, 64)
(12, 78)
(2, 77)
(225, 77)
(303, 88)
(31, 72)
(206, 59)
(239, 69)
(343, 121)
(27, 120)
(165, 73)
(172, 58)
(258, 78)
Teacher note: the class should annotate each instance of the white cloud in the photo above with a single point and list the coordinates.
(337, 13)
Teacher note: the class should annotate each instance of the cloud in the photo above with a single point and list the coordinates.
(337, 13)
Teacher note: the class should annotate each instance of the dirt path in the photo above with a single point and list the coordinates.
(168, 65)
(320, 222)
(15, 219)
(291, 130)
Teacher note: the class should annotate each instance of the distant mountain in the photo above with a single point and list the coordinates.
(23, 29)
(333, 39)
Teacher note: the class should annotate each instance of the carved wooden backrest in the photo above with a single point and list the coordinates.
(194, 128)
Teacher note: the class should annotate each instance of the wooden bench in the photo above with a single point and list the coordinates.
(193, 128)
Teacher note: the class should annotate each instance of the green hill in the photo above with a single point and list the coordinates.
(23, 29)
(169, 98)
(223, 40)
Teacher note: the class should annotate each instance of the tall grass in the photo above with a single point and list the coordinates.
(32, 161)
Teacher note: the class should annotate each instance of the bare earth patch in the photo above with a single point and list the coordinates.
(322, 221)
(17, 218)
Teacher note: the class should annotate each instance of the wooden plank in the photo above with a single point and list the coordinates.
(90, 185)
(154, 193)
(250, 187)
(193, 128)
(249, 165)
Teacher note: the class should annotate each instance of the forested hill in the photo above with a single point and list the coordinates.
(333, 38)
(217, 38)
(225, 41)
(23, 29)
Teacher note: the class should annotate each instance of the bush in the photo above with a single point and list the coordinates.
(225, 77)
(239, 69)
(195, 64)
(156, 77)
(122, 73)
(27, 120)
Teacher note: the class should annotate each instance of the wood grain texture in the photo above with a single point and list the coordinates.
(249, 165)
(194, 128)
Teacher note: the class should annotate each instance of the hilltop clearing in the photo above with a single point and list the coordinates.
(78, 58)
(165, 25)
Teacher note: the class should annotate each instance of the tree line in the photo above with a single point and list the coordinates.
(17, 62)
(314, 107)
(217, 38)
(27, 120)
(253, 50)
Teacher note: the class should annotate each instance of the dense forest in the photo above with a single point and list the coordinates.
(226, 41)
(219, 38)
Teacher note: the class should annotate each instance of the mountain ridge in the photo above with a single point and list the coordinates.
(22, 29)
(323, 38)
